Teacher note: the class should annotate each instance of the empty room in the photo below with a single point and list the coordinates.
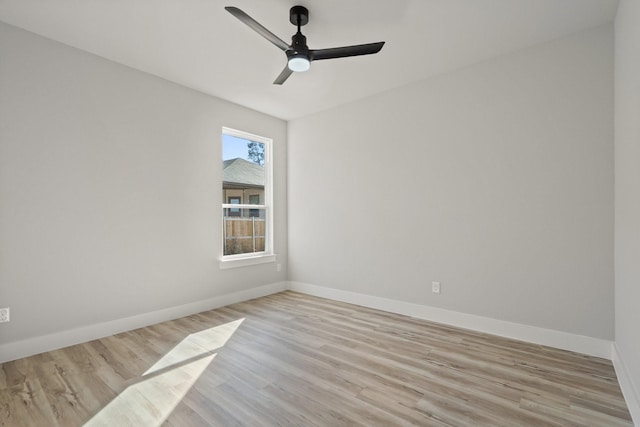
(320, 213)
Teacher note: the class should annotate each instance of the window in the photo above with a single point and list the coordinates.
(233, 211)
(247, 215)
(254, 199)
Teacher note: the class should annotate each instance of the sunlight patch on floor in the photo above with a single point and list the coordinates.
(196, 344)
(150, 401)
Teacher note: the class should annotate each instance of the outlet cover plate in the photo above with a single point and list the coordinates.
(4, 315)
(435, 287)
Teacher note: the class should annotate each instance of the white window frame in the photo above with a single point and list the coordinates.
(253, 258)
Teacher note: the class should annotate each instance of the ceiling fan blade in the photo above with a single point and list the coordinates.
(343, 52)
(284, 75)
(257, 27)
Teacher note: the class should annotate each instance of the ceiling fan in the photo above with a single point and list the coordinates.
(299, 56)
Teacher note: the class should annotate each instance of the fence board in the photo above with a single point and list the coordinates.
(241, 234)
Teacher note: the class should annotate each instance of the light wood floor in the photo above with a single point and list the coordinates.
(292, 359)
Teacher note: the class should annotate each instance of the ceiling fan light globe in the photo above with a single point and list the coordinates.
(299, 64)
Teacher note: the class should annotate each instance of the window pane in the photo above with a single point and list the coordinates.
(243, 233)
(243, 174)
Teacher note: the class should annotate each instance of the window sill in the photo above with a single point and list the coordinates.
(246, 261)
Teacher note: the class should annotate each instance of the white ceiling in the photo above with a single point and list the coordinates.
(198, 44)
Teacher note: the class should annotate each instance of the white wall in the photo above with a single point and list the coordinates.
(110, 189)
(513, 159)
(627, 196)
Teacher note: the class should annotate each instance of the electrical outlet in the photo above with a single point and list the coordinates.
(4, 315)
(278, 267)
(435, 287)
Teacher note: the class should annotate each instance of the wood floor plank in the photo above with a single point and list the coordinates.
(290, 359)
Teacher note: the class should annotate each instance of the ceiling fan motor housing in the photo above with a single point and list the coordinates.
(298, 56)
(298, 45)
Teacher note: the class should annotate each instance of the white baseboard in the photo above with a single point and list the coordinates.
(552, 338)
(562, 340)
(31, 346)
(629, 389)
